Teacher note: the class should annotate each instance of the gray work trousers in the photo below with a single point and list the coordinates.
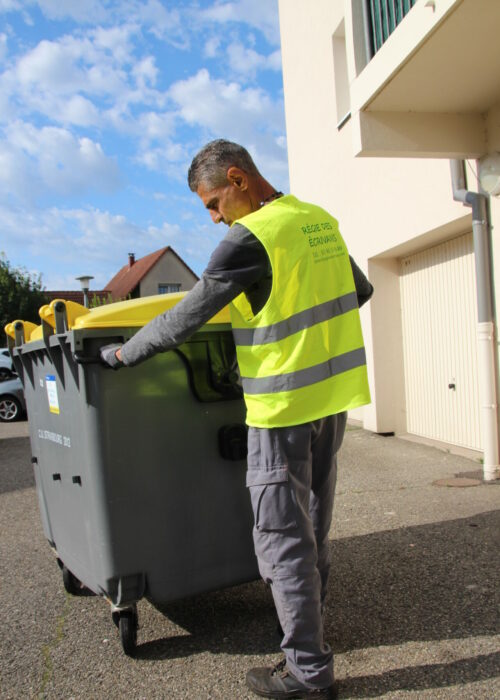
(291, 477)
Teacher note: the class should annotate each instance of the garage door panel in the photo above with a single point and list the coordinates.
(439, 340)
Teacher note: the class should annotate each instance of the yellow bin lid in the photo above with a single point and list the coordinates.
(133, 313)
(136, 312)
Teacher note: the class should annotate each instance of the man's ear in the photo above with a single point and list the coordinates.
(238, 178)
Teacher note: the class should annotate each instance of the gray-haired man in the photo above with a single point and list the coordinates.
(294, 295)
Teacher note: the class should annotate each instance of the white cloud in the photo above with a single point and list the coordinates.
(96, 63)
(164, 23)
(274, 60)
(10, 6)
(50, 65)
(91, 80)
(3, 47)
(161, 158)
(156, 125)
(52, 160)
(145, 72)
(85, 11)
(247, 62)
(15, 174)
(211, 48)
(225, 107)
(65, 109)
(79, 111)
(68, 66)
(95, 79)
(90, 241)
(246, 115)
(160, 21)
(260, 14)
(100, 235)
(63, 98)
(115, 41)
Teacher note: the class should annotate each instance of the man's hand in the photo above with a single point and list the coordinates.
(111, 355)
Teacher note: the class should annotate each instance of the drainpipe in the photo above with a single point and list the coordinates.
(486, 336)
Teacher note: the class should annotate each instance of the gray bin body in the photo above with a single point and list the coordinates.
(134, 494)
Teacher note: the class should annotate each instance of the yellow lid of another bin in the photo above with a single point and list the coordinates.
(27, 327)
(136, 312)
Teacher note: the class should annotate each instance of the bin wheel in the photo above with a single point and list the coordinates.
(71, 584)
(128, 631)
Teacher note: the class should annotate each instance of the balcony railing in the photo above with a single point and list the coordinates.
(383, 18)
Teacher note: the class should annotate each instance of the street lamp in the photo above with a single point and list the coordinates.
(85, 282)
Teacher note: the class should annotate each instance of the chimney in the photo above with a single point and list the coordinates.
(131, 260)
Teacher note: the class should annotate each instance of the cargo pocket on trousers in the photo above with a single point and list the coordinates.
(273, 499)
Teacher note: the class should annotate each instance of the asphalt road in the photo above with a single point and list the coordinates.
(413, 602)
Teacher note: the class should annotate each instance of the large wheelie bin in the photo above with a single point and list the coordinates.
(140, 473)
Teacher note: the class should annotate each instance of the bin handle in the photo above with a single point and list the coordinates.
(82, 359)
(87, 360)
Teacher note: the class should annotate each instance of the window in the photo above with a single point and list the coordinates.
(168, 288)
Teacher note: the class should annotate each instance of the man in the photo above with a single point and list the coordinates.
(294, 294)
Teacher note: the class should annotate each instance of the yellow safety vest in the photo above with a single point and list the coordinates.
(302, 356)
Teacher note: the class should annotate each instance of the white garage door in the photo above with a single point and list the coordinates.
(438, 299)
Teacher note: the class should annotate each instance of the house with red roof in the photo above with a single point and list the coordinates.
(160, 272)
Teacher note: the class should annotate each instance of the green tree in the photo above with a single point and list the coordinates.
(21, 295)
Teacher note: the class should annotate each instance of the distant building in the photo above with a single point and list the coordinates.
(160, 272)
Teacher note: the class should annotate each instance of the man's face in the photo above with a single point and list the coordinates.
(227, 202)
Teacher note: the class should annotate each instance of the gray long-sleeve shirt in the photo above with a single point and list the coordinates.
(238, 264)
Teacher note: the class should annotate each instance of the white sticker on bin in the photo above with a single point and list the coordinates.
(50, 383)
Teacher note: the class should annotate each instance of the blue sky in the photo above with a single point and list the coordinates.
(103, 104)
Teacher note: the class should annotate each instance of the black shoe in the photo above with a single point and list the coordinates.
(277, 682)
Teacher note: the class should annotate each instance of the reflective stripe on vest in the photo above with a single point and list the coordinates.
(298, 322)
(305, 377)
(301, 357)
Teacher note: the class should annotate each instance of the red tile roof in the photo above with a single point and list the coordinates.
(127, 279)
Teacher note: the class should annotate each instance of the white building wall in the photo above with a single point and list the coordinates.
(387, 208)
